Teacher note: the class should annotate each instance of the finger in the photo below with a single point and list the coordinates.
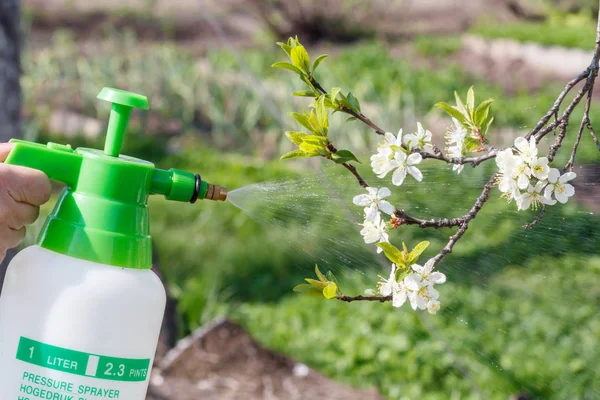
(22, 214)
(11, 237)
(5, 148)
(25, 185)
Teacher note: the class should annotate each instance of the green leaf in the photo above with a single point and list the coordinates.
(296, 154)
(351, 119)
(322, 115)
(453, 112)
(331, 277)
(312, 148)
(305, 287)
(316, 284)
(296, 137)
(354, 101)
(316, 140)
(304, 93)
(414, 255)
(471, 101)
(330, 290)
(392, 253)
(303, 119)
(487, 126)
(318, 61)
(334, 92)
(471, 144)
(287, 48)
(286, 65)
(460, 106)
(300, 58)
(343, 156)
(482, 111)
(311, 292)
(319, 274)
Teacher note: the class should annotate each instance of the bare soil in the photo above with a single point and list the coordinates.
(223, 362)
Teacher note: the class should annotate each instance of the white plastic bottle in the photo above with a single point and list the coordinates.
(80, 312)
(72, 329)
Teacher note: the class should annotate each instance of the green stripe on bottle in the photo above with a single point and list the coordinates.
(83, 364)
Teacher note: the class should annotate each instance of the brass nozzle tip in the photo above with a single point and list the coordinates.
(216, 192)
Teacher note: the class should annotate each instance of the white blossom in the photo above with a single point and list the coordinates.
(390, 143)
(427, 296)
(429, 277)
(455, 139)
(383, 162)
(527, 150)
(375, 231)
(559, 187)
(521, 172)
(406, 164)
(540, 168)
(373, 202)
(532, 197)
(420, 139)
(416, 287)
(398, 290)
(433, 306)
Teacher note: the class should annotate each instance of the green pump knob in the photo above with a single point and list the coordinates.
(122, 103)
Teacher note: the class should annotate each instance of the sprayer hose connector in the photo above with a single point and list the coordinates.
(196, 189)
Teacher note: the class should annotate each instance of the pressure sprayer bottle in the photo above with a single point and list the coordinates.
(81, 311)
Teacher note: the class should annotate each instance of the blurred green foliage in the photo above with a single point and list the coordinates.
(437, 46)
(238, 102)
(566, 30)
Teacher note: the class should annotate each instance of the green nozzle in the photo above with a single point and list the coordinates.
(102, 215)
(123, 102)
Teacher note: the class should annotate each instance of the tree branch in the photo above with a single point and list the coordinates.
(350, 299)
(537, 219)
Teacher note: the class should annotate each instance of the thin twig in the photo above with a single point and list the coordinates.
(402, 218)
(537, 219)
(591, 130)
(350, 299)
(584, 121)
(354, 172)
(468, 217)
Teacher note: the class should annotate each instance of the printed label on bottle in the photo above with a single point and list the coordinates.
(102, 369)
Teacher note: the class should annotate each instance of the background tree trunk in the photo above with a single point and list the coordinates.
(10, 90)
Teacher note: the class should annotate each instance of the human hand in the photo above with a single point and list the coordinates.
(22, 191)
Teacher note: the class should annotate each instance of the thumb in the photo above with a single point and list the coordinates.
(25, 185)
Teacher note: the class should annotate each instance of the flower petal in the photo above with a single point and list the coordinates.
(416, 172)
(383, 192)
(569, 190)
(413, 282)
(433, 306)
(523, 181)
(398, 177)
(399, 298)
(553, 175)
(562, 197)
(390, 138)
(437, 277)
(414, 159)
(386, 207)
(372, 191)
(521, 144)
(569, 176)
(371, 212)
(386, 288)
(361, 200)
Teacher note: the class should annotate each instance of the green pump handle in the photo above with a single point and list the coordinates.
(102, 215)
